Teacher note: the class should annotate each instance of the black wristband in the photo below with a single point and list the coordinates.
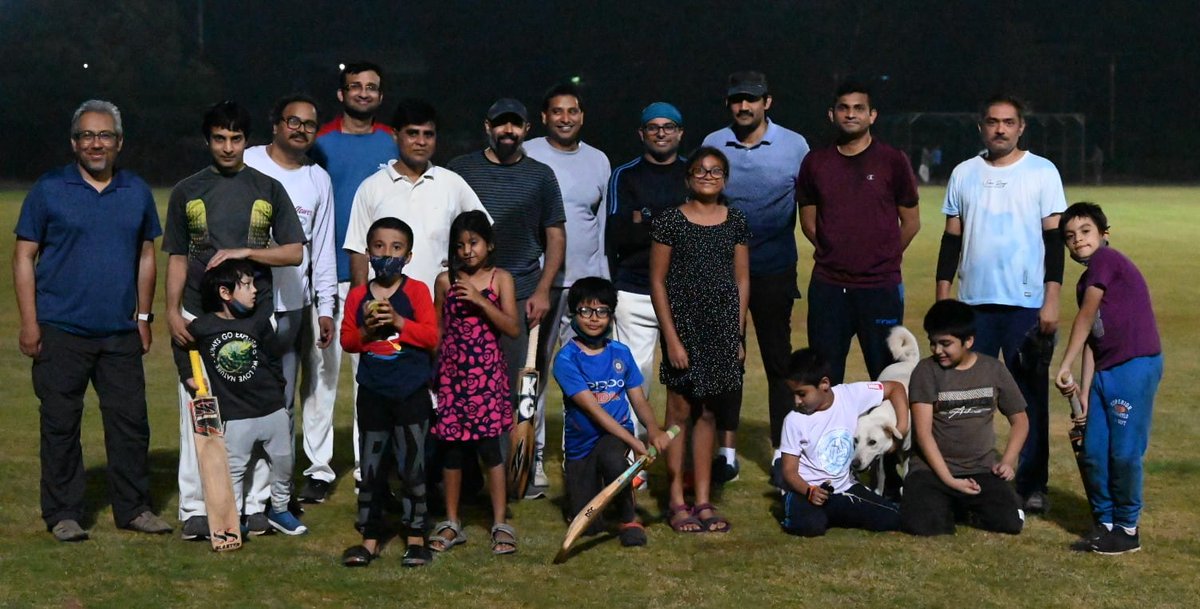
(947, 264)
(1055, 259)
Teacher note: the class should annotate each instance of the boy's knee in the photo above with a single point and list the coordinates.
(805, 529)
(925, 527)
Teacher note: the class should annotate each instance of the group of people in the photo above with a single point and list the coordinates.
(346, 237)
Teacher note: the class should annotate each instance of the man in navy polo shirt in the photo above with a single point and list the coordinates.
(82, 321)
(763, 161)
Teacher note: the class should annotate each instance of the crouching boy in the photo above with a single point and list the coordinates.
(238, 347)
(955, 393)
(817, 446)
(600, 381)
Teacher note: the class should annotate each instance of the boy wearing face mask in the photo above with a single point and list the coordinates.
(237, 345)
(391, 321)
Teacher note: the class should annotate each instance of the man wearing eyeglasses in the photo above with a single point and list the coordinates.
(639, 192)
(304, 300)
(82, 321)
(582, 172)
(350, 147)
(764, 159)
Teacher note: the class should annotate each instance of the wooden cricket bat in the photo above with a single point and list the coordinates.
(1075, 435)
(224, 527)
(521, 440)
(595, 507)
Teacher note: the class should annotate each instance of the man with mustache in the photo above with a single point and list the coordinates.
(304, 301)
(764, 159)
(582, 172)
(350, 147)
(523, 198)
(1002, 241)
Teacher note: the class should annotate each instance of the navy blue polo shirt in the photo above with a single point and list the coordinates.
(89, 246)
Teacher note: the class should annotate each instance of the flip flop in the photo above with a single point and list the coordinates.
(358, 556)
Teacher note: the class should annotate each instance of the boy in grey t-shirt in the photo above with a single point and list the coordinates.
(954, 395)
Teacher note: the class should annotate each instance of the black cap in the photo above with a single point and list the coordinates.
(507, 105)
(747, 83)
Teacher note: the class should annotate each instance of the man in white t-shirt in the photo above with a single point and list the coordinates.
(582, 173)
(817, 445)
(1002, 241)
(304, 300)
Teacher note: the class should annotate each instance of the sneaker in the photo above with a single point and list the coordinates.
(258, 524)
(1037, 503)
(314, 491)
(723, 471)
(641, 481)
(1117, 541)
(286, 523)
(1088, 541)
(539, 475)
(535, 492)
(69, 530)
(148, 522)
(195, 528)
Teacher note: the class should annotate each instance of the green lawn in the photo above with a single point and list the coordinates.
(754, 564)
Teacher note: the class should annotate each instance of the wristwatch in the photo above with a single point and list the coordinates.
(146, 317)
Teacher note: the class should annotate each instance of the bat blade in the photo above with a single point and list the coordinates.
(224, 526)
(521, 439)
(1075, 434)
(596, 506)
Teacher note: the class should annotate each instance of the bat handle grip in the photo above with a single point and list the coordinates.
(198, 372)
(672, 431)
(531, 350)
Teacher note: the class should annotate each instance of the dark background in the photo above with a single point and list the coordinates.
(164, 62)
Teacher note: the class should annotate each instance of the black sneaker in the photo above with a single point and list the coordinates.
(195, 528)
(258, 524)
(723, 471)
(1088, 541)
(1117, 541)
(314, 491)
(1037, 503)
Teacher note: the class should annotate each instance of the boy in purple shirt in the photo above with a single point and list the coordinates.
(1122, 363)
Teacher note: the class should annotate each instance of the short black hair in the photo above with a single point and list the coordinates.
(1004, 98)
(849, 86)
(808, 367)
(282, 103)
(413, 111)
(226, 115)
(1083, 209)
(392, 223)
(355, 68)
(592, 288)
(950, 317)
(562, 88)
(225, 275)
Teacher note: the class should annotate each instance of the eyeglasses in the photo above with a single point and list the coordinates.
(715, 173)
(589, 312)
(355, 87)
(669, 128)
(106, 138)
(294, 123)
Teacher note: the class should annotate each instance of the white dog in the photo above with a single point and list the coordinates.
(876, 433)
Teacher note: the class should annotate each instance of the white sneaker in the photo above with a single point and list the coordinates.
(539, 475)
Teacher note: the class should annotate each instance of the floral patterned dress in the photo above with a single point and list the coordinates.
(474, 401)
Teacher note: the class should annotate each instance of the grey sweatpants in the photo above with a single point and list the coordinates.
(268, 437)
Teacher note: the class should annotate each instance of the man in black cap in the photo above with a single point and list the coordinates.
(523, 198)
(764, 159)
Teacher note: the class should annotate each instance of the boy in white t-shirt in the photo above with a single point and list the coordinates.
(818, 444)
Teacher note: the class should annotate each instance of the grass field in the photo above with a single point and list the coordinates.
(755, 564)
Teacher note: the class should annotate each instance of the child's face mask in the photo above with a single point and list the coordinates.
(387, 267)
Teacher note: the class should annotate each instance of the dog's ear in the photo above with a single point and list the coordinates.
(895, 432)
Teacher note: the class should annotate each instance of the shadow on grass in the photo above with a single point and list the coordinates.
(162, 465)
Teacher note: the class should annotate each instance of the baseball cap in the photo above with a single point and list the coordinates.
(747, 83)
(507, 105)
(661, 110)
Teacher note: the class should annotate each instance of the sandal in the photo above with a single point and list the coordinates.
(632, 534)
(688, 523)
(358, 556)
(715, 523)
(416, 555)
(497, 541)
(445, 542)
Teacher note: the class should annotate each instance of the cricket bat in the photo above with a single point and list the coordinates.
(224, 527)
(595, 507)
(521, 440)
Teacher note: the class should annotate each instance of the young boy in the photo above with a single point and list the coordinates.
(817, 445)
(600, 379)
(238, 347)
(391, 321)
(954, 395)
(1117, 336)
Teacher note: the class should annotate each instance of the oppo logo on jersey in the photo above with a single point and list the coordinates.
(597, 386)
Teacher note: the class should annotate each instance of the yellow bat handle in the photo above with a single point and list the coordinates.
(198, 373)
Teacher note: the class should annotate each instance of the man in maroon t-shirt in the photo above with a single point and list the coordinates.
(858, 207)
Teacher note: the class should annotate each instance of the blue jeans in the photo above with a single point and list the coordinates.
(1120, 406)
(1008, 329)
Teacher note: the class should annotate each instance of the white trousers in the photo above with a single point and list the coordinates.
(637, 328)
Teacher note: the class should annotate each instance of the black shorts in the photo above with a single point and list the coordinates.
(726, 408)
(455, 454)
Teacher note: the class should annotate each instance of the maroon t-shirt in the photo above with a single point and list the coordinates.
(1125, 327)
(858, 230)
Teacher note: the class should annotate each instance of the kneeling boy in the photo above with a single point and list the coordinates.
(817, 446)
(955, 393)
(600, 380)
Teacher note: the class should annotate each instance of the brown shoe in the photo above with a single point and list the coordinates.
(148, 522)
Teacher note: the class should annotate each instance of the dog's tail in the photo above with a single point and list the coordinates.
(903, 345)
